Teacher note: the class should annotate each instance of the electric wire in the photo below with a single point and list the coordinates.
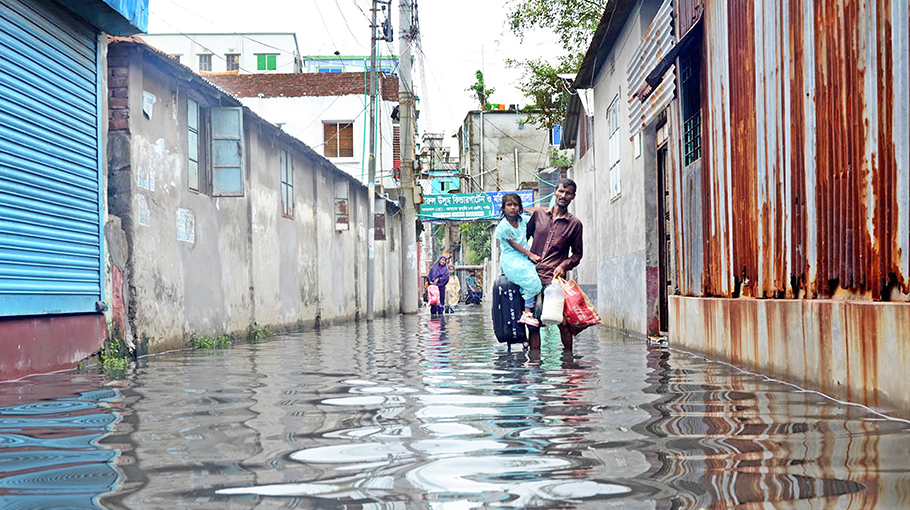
(324, 24)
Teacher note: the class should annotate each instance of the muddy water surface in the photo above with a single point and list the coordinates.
(414, 412)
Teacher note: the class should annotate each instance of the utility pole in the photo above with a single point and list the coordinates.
(408, 182)
(371, 172)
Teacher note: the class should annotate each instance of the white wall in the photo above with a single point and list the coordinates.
(302, 118)
(503, 132)
(616, 228)
(189, 46)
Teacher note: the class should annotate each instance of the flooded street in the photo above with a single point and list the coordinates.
(414, 412)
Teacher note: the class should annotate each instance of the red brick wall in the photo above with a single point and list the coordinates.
(300, 84)
(118, 68)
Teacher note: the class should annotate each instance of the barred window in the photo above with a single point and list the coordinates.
(232, 60)
(690, 83)
(205, 62)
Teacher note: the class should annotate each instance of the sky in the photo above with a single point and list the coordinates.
(459, 37)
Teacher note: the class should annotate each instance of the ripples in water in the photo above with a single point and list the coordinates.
(415, 412)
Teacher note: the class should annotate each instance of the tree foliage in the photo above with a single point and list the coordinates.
(540, 82)
(481, 92)
(574, 22)
(476, 237)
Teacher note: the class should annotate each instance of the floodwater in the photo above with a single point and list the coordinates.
(420, 412)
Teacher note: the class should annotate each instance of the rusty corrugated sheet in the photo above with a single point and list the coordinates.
(688, 12)
(656, 42)
(804, 177)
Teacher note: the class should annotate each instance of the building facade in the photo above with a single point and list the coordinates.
(219, 221)
(53, 103)
(241, 53)
(329, 112)
(499, 151)
(781, 164)
(617, 196)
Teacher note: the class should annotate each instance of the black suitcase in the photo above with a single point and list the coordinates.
(507, 308)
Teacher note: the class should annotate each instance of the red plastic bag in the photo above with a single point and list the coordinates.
(433, 295)
(578, 309)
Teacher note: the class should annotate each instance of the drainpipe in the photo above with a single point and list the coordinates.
(517, 182)
(481, 150)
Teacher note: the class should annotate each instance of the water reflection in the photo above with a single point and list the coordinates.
(725, 438)
(50, 450)
(426, 412)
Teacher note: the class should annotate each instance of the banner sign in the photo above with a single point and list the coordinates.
(467, 206)
(526, 195)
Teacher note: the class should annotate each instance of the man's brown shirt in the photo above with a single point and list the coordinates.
(554, 241)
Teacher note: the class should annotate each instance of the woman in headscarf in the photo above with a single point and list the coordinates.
(439, 276)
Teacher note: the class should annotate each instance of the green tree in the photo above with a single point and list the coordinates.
(481, 92)
(476, 237)
(574, 22)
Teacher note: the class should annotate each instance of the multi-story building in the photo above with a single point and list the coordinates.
(242, 53)
(439, 172)
(498, 150)
(328, 112)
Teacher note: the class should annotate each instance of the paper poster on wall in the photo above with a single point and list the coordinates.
(145, 216)
(148, 103)
(186, 226)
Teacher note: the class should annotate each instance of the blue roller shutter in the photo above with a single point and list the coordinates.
(50, 185)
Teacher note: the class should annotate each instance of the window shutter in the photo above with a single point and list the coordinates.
(260, 62)
(271, 62)
(346, 141)
(330, 140)
(227, 151)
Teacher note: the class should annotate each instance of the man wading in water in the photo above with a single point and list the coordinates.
(555, 232)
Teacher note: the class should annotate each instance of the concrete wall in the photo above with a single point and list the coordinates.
(503, 132)
(621, 256)
(855, 350)
(246, 264)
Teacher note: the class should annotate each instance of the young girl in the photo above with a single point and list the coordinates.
(516, 261)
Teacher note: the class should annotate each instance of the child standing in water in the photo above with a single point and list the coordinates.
(516, 261)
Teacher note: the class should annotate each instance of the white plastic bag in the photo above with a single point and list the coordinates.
(553, 302)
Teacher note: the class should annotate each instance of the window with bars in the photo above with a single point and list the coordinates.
(232, 61)
(205, 62)
(266, 61)
(287, 185)
(338, 139)
(690, 83)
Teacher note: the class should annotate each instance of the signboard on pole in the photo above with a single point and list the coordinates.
(526, 195)
(467, 206)
(456, 206)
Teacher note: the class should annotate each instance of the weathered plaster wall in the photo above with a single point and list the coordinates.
(621, 255)
(242, 262)
(503, 132)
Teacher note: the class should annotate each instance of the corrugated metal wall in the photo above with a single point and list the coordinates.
(50, 178)
(806, 152)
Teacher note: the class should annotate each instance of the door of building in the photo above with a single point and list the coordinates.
(663, 198)
(51, 257)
